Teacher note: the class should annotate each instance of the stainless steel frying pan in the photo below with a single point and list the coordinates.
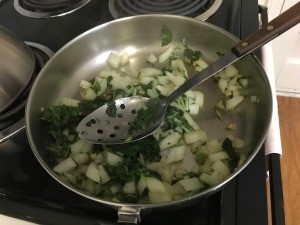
(85, 56)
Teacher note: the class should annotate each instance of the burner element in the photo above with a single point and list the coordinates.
(47, 8)
(191, 8)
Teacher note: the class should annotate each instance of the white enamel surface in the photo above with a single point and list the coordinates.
(286, 52)
(5, 220)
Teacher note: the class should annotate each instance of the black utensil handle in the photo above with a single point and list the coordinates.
(276, 192)
(277, 26)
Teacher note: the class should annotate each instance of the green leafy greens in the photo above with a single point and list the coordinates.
(191, 55)
(234, 157)
(144, 117)
(111, 109)
(166, 36)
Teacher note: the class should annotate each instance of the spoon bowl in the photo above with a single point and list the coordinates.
(113, 123)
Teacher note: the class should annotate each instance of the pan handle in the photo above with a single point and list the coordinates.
(13, 130)
(271, 30)
(129, 215)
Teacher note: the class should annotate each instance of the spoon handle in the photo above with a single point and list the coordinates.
(273, 29)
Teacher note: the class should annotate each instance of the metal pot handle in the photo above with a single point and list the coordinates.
(12, 130)
(129, 215)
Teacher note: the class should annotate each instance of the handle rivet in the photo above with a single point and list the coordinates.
(245, 44)
(270, 27)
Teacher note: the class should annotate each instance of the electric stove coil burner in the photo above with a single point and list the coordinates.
(200, 9)
(47, 8)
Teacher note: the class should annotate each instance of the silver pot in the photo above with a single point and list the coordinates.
(17, 66)
(85, 56)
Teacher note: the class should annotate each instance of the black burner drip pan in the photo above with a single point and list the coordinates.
(191, 8)
(179, 7)
(47, 8)
(47, 5)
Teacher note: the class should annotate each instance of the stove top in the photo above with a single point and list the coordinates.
(28, 192)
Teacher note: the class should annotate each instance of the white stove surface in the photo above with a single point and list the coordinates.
(286, 52)
(6, 220)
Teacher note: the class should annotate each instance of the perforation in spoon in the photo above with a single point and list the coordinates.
(112, 135)
(100, 131)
